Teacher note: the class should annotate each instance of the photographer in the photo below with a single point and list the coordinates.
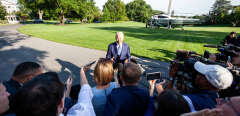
(230, 39)
(208, 81)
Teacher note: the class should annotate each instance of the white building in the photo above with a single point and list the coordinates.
(11, 8)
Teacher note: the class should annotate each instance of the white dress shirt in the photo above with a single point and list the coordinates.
(84, 105)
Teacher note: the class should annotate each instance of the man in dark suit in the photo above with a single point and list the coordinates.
(230, 39)
(128, 100)
(119, 52)
(22, 73)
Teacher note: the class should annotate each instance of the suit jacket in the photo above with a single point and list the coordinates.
(12, 86)
(112, 52)
(127, 101)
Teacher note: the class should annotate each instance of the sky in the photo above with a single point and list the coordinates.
(180, 7)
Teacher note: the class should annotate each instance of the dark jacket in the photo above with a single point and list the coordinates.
(12, 86)
(112, 52)
(127, 101)
(203, 99)
(229, 40)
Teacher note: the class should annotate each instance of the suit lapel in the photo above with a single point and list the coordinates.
(122, 49)
(115, 49)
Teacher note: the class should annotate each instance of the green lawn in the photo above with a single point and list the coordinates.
(151, 43)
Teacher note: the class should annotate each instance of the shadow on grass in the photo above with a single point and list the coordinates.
(164, 34)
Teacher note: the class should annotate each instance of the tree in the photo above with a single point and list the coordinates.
(36, 6)
(62, 7)
(138, 10)
(115, 9)
(3, 11)
(235, 16)
(220, 10)
(86, 9)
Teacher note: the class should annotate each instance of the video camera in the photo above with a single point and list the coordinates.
(226, 52)
(184, 66)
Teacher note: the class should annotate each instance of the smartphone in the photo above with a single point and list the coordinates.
(153, 76)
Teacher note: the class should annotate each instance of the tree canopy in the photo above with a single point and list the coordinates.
(220, 10)
(114, 10)
(138, 10)
(3, 12)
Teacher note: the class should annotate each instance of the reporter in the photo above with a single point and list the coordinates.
(230, 39)
(209, 80)
(170, 102)
(103, 76)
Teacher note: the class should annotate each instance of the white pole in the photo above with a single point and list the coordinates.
(170, 8)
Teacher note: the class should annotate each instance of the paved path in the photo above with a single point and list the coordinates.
(16, 48)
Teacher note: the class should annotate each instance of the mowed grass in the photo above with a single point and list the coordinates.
(159, 44)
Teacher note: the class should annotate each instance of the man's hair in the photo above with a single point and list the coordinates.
(25, 69)
(120, 34)
(232, 33)
(131, 73)
(103, 73)
(39, 96)
(171, 103)
(133, 60)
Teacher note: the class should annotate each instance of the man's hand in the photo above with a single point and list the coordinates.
(151, 86)
(112, 59)
(69, 86)
(173, 69)
(159, 87)
(69, 82)
(126, 61)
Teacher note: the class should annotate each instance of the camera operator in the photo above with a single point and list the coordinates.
(208, 81)
(230, 39)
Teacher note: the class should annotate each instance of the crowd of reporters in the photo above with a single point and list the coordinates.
(30, 92)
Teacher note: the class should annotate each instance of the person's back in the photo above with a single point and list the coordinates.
(203, 99)
(128, 100)
(100, 98)
(103, 75)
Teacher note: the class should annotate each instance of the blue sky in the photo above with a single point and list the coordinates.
(181, 7)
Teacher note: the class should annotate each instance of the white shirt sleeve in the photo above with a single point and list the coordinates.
(190, 104)
(84, 105)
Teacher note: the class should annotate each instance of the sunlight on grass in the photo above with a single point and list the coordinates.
(151, 43)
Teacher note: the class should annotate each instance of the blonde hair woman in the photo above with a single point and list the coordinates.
(103, 76)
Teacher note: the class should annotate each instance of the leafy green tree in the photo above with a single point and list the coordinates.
(86, 9)
(220, 10)
(138, 10)
(3, 12)
(36, 6)
(62, 7)
(235, 16)
(106, 15)
(115, 10)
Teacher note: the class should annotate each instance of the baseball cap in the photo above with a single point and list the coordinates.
(218, 76)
